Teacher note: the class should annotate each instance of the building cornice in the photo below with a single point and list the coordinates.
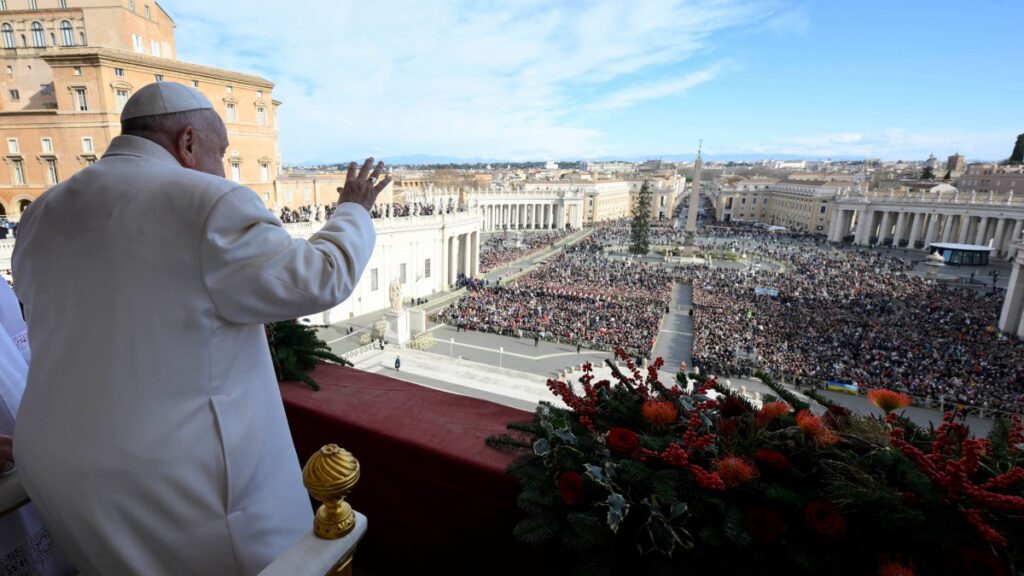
(75, 56)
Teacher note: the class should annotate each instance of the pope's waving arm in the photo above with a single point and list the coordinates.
(255, 272)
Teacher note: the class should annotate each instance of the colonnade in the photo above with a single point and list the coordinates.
(523, 216)
(462, 256)
(917, 229)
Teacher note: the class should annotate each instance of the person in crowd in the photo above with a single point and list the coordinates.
(151, 436)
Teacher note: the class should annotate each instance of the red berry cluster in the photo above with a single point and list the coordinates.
(953, 459)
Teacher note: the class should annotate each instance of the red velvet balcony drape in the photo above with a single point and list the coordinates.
(436, 496)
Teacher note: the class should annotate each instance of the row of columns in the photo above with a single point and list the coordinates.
(462, 256)
(908, 228)
(1011, 317)
(524, 216)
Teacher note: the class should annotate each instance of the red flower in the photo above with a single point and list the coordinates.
(887, 400)
(772, 459)
(733, 406)
(765, 525)
(622, 441)
(822, 517)
(815, 429)
(771, 411)
(659, 413)
(735, 471)
(893, 569)
(570, 488)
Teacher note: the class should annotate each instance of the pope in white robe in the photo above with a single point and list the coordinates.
(152, 437)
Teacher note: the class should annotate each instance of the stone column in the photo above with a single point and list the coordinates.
(947, 227)
(453, 250)
(547, 216)
(915, 228)
(467, 255)
(560, 217)
(1010, 316)
(475, 260)
(863, 224)
(981, 237)
(901, 225)
(884, 232)
(1000, 233)
(963, 225)
(1011, 250)
(931, 230)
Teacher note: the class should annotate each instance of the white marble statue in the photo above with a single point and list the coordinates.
(395, 293)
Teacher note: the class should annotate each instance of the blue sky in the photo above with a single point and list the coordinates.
(538, 79)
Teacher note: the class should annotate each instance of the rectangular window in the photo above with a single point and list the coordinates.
(158, 77)
(122, 99)
(3, 5)
(131, 5)
(47, 145)
(148, 13)
(154, 47)
(195, 83)
(19, 172)
(90, 161)
(137, 43)
(821, 210)
(15, 95)
(119, 72)
(33, 5)
(373, 280)
(87, 145)
(76, 71)
(287, 196)
(51, 171)
(236, 171)
(232, 113)
(12, 146)
(401, 273)
(259, 94)
(426, 268)
(230, 89)
(261, 116)
(63, 4)
(80, 101)
(264, 171)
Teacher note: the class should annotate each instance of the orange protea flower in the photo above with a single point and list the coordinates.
(893, 569)
(659, 413)
(771, 411)
(815, 429)
(735, 471)
(887, 400)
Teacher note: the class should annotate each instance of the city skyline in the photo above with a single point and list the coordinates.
(541, 80)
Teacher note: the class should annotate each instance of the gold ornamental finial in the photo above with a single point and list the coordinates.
(330, 475)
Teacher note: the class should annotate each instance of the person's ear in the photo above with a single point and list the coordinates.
(187, 147)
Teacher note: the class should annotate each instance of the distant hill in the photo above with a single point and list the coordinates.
(419, 159)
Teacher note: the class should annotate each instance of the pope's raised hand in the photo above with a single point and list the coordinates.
(363, 188)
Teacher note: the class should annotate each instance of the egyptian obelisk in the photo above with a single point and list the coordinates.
(690, 232)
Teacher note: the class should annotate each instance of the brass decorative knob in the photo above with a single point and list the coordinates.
(330, 475)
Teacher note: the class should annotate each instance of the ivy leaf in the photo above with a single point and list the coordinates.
(597, 475)
(617, 510)
(678, 509)
(686, 403)
(566, 436)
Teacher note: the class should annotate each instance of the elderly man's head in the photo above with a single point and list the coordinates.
(181, 120)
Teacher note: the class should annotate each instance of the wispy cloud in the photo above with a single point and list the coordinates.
(652, 90)
(503, 79)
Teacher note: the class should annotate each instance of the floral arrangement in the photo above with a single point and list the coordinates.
(639, 477)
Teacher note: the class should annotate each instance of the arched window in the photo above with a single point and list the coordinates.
(67, 35)
(23, 205)
(8, 33)
(38, 39)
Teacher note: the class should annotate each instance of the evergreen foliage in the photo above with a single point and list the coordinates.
(928, 173)
(295, 349)
(640, 227)
(1017, 156)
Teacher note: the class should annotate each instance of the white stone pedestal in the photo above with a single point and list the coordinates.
(398, 327)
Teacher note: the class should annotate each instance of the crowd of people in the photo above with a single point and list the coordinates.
(577, 297)
(853, 316)
(309, 213)
(815, 313)
(502, 249)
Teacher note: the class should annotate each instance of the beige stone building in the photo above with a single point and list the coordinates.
(665, 193)
(70, 65)
(800, 205)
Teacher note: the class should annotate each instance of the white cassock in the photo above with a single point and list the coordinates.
(152, 437)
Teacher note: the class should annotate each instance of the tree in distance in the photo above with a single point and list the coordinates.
(640, 227)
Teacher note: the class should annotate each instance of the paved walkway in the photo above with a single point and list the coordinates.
(675, 341)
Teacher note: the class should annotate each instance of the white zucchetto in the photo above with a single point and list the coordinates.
(164, 98)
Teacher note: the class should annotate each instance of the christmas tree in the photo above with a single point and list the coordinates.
(296, 349)
(640, 228)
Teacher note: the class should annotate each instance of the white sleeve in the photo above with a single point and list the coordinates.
(255, 272)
